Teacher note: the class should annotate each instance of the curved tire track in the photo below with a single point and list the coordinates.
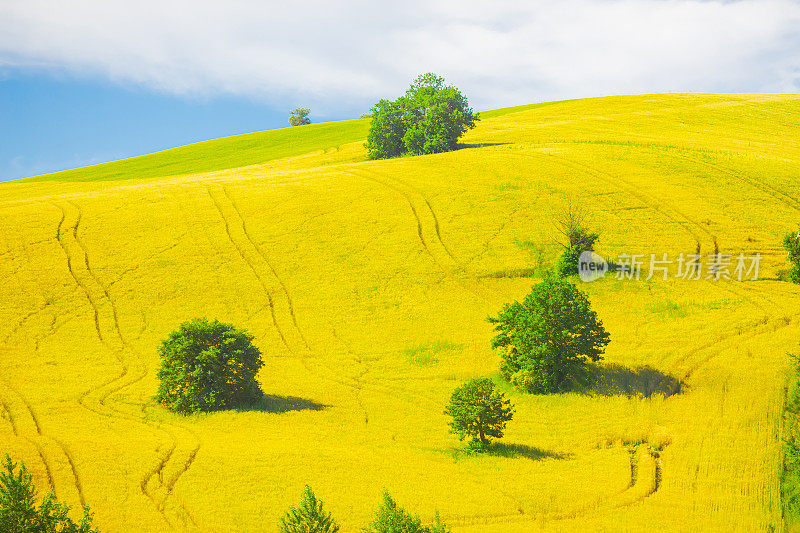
(643, 460)
(185, 444)
(25, 424)
(282, 312)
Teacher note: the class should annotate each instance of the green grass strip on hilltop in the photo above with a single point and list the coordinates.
(220, 154)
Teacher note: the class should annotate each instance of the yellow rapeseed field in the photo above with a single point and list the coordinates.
(367, 286)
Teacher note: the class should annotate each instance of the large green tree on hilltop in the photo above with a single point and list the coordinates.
(428, 119)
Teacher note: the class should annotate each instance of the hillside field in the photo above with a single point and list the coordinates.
(367, 285)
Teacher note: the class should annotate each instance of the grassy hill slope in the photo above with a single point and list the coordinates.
(220, 154)
(367, 285)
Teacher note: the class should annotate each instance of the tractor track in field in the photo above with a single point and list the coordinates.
(51, 480)
(265, 288)
(675, 216)
(693, 228)
(283, 288)
(358, 379)
(25, 423)
(519, 515)
(769, 323)
(639, 488)
(671, 214)
(767, 189)
(408, 192)
(291, 334)
(257, 262)
(133, 370)
(775, 193)
(434, 246)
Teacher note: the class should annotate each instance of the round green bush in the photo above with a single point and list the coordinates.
(207, 366)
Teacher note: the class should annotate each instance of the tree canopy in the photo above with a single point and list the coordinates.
(18, 510)
(207, 366)
(548, 338)
(391, 518)
(579, 239)
(428, 119)
(299, 117)
(309, 517)
(791, 242)
(478, 411)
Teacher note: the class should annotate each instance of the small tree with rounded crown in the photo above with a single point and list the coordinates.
(207, 366)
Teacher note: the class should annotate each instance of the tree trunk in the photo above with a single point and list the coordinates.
(483, 437)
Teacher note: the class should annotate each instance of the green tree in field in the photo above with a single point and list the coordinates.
(428, 119)
(299, 117)
(390, 518)
(792, 244)
(478, 411)
(309, 517)
(385, 137)
(548, 338)
(18, 510)
(578, 240)
(207, 366)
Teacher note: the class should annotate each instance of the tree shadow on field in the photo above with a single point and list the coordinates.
(271, 403)
(507, 450)
(462, 146)
(644, 381)
(512, 451)
(513, 273)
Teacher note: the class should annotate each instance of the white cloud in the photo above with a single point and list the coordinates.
(336, 56)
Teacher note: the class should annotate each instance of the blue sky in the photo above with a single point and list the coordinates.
(86, 81)
(52, 123)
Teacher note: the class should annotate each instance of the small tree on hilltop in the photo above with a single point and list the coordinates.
(299, 117)
(547, 338)
(391, 518)
(578, 239)
(309, 517)
(18, 511)
(207, 366)
(792, 244)
(478, 411)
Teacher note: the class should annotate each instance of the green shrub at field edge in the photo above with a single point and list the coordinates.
(309, 517)
(579, 239)
(390, 518)
(792, 244)
(18, 511)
